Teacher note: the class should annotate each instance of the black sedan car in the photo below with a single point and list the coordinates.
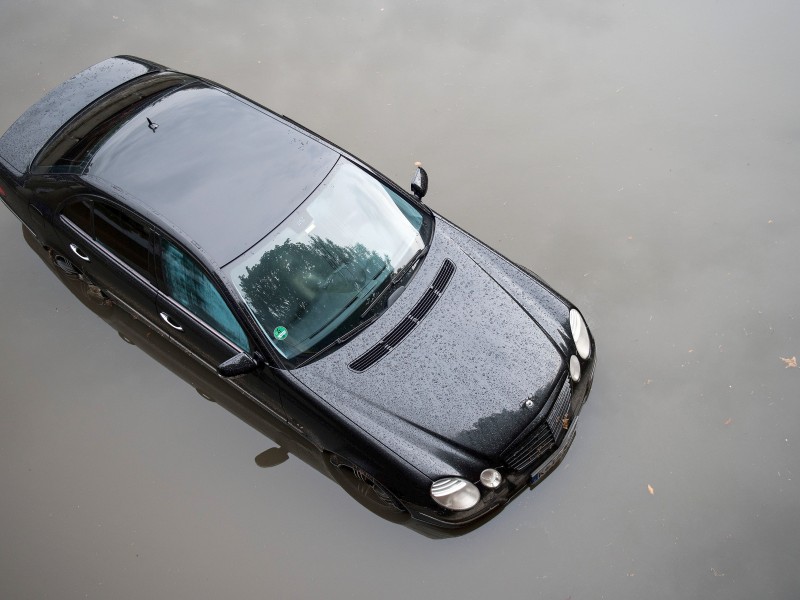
(412, 354)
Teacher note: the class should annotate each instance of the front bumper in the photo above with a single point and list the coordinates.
(515, 482)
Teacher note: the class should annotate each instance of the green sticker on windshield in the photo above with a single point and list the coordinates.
(280, 333)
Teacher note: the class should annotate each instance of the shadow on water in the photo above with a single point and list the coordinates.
(284, 441)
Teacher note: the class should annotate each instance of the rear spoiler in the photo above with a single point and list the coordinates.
(23, 140)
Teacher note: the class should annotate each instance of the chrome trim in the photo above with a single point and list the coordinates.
(491, 478)
(187, 314)
(557, 456)
(79, 253)
(149, 285)
(159, 330)
(443, 487)
(168, 320)
(455, 493)
(213, 368)
(110, 256)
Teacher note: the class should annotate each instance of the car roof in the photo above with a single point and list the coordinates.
(220, 169)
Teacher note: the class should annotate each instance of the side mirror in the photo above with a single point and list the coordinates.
(419, 184)
(241, 364)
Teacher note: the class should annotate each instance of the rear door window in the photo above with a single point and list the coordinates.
(80, 215)
(123, 235)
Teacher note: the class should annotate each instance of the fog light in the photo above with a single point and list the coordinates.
(574, 368)
(455, 493)
(490, 478)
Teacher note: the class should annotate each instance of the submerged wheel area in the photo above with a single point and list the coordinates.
(363, 486)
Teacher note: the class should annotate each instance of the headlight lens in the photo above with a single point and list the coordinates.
(580, 334)
(574, 368)
(455, 493)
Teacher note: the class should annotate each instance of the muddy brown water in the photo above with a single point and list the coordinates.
(641, 157)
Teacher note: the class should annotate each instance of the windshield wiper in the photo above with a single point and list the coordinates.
(362, 325)
(366, 322)
(397, 277)
(341, 339)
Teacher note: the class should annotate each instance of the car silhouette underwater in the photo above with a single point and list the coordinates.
(443, 375)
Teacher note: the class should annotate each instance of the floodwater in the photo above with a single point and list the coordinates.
(642, 157)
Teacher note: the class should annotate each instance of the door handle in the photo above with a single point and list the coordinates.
(79, 253)
(169, 321)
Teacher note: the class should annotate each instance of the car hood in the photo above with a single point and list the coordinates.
(453, 391)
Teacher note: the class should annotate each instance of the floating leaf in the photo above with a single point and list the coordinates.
(790, 362)
(650, 489)
(727, 421)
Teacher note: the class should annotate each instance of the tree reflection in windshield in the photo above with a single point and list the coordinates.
(309, 280)
(299, 286)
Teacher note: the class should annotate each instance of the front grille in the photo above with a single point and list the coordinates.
(555, 420)
(527, 452)
(531, 449)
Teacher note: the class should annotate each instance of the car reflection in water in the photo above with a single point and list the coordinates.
(210, 386)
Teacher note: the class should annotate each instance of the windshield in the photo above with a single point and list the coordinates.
(309, 281)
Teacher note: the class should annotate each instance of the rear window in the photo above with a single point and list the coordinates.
(72, 149)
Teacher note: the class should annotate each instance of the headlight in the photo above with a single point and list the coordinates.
(455, 493)
(574, 368)
(580, 334)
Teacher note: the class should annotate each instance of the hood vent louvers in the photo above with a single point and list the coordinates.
(392, 339)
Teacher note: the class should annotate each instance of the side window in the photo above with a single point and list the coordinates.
(124, 236)
(80, 214)
(189, 285)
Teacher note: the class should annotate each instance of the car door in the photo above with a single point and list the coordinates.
(113, 248)
(202, 323)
